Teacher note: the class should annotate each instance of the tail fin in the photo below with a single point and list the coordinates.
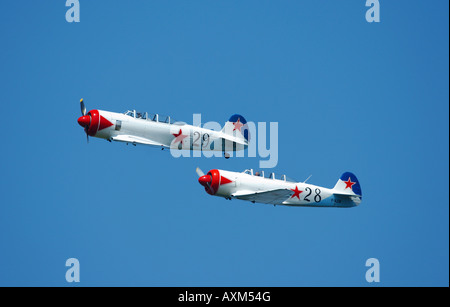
(237, 127)
(348, 184)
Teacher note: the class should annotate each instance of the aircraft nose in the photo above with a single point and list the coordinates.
(205, 180)
(84, 121)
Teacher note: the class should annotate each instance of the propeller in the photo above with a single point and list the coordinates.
(199, 172)
(204, 180)
(83, 112)
(83, 107)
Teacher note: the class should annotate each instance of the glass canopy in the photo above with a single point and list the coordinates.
(149, 116)
(268, 175)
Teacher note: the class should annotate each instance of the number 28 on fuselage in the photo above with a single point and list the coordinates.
(258, 188)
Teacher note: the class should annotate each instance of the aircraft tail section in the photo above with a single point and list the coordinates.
(236, 127)
(347, 191)
(348, 184)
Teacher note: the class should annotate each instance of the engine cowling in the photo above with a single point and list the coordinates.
(210, 181)
(92, 122)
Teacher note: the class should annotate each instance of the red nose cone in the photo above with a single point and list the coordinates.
(204, 180)
(84, 121)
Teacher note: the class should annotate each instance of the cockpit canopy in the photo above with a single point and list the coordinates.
(152, 117)
(268, 175)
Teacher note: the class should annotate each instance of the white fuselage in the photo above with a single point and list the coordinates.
(164, 133)
(303, 194)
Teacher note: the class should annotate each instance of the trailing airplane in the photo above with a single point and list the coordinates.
(155, 130)
(255, 187)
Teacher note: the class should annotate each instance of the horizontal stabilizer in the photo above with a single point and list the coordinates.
(350, 200)
(234, 139)
(347, 194)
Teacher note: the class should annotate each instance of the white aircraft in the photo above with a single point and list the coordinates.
(257, 188)
(134, 128)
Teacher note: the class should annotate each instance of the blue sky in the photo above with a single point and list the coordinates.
(348, 96)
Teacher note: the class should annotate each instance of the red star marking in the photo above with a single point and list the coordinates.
(349, 183)
(179, 137)
(238, 125)
(296, 192)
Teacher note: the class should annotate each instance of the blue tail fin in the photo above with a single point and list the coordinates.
(348, 184)
(237, 123)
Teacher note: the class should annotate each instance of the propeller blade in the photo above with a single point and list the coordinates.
(87, 135)
(199, 172)
(83, 107)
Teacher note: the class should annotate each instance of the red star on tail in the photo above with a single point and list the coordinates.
(296, 192)
(349, 183)
(238, 125)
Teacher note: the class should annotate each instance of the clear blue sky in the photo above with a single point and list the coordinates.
(348, 95)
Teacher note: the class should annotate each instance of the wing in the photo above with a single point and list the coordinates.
(275, 197)
(137, 140)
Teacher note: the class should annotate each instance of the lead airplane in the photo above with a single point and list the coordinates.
(143, 128)
(257, 188)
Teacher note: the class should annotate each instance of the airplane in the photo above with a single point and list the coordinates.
(257, 188)
(133, 127)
